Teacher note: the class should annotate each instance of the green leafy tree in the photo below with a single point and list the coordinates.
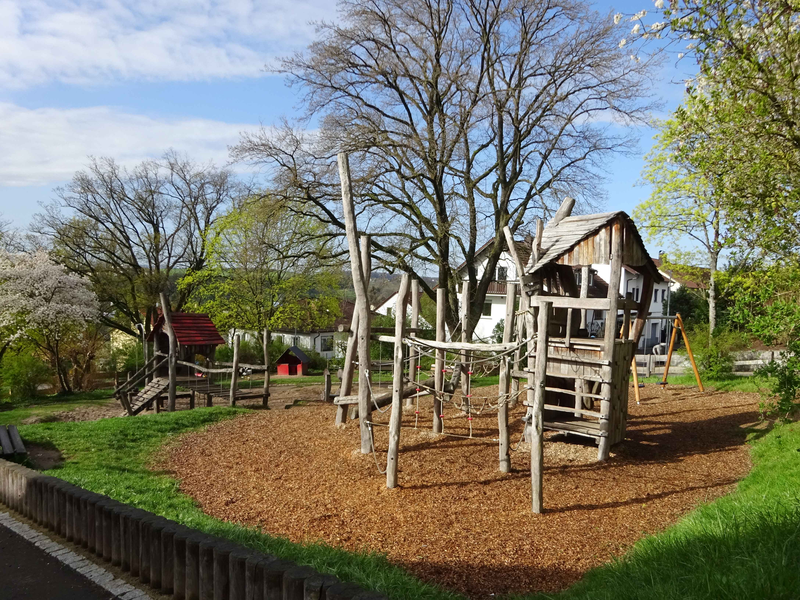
(686, 202)
(742, 106)
(266, 269)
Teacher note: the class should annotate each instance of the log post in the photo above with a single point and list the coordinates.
(609, 340)
(326, 386)
(192, 399)
(465, 366)
(234, 371)
(266, 341)
(635, 369)
(396, 416)
(540, 379)
(521, 326)
(346, 386)
(504, 386)
(413, 351)
(362, 300)
(438, 376)
(173, 352)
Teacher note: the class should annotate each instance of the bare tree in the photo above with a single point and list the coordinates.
(461, 117)
(131, 233)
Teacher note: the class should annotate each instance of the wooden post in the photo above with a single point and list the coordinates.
(266, 340)
(521, 327)
(209, 399)
(362, 300)
(584, 292)
(346, 386)
(689, 352)
(234, 371)
(439, 374)
(537, 432)
(413, 351)
(609, 340)
(145, 354)
(636, 379)
(173, 352)
(671, 348)
(504, 386)
(396, 415)
(191, 399)
(326, 386)
(465, 367)
(642, 309)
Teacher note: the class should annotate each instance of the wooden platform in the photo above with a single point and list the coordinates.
(143, 399)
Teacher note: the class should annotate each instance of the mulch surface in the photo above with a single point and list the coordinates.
(455, 519)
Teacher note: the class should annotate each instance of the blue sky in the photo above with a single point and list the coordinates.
(130, 80)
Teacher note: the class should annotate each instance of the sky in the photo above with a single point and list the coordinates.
(132, 79)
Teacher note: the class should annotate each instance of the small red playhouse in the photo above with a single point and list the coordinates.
(293, 362)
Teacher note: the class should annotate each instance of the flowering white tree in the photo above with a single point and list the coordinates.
(43, 303)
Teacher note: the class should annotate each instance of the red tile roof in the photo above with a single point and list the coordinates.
(191, 329)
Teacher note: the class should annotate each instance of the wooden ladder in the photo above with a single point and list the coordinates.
(144, 398)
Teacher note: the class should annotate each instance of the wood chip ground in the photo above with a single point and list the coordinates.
(455, 519)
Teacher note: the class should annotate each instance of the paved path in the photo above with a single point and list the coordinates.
(32, 566)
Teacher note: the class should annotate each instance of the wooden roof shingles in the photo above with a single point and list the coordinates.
(560, 239)
(191, 329)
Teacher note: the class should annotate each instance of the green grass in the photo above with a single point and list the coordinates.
(111, 457)
(734, 383)
(15, 411)
(745, 545)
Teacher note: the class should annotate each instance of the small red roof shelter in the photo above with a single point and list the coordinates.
(195, 332)
(293, 362)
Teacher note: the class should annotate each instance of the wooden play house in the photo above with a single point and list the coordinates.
(293, 362)
(194, 332)
(585, 379)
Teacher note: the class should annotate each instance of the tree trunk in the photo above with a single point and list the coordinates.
(712, 299)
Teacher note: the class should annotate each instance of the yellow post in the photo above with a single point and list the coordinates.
(635, 380)
(671, 347)
(689, 350)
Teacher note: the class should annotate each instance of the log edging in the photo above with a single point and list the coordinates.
(170, 558)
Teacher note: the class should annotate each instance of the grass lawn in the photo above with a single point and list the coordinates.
(16, 411)
(745, 545)
(111, 457)
(734, 383)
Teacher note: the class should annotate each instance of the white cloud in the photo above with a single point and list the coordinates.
(46, 146)
(83, 41)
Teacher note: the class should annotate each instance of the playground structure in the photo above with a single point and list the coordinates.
(572, 383)
(185, 336)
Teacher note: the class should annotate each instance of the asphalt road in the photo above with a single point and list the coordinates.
(28, 572)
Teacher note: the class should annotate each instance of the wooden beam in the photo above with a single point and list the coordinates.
(413, 353)
(504, 386)
(265, 399)
(539, 383)
(439, 375)
(362, 300)
(234, 371)
(396, 416)
(173, 352)
(563, 212)
(609, 339)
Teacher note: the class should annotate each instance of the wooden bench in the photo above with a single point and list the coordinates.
(10, 441)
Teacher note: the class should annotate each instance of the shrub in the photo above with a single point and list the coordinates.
(23, 373)
(784, 382)
(251, 352)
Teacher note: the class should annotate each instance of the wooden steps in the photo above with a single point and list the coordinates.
(10, 441)
(142, 400)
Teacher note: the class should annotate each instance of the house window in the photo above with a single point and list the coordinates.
(487, 309)
(636, 294)
(502, 273)
(579, 278)
(326, 344)
(663, 294)
(655, 295)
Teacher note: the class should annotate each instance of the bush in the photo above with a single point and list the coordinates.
(251, 352)
(23, 373)
(784, 382)
(715, 361)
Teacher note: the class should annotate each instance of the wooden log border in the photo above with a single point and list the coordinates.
(171, 559)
